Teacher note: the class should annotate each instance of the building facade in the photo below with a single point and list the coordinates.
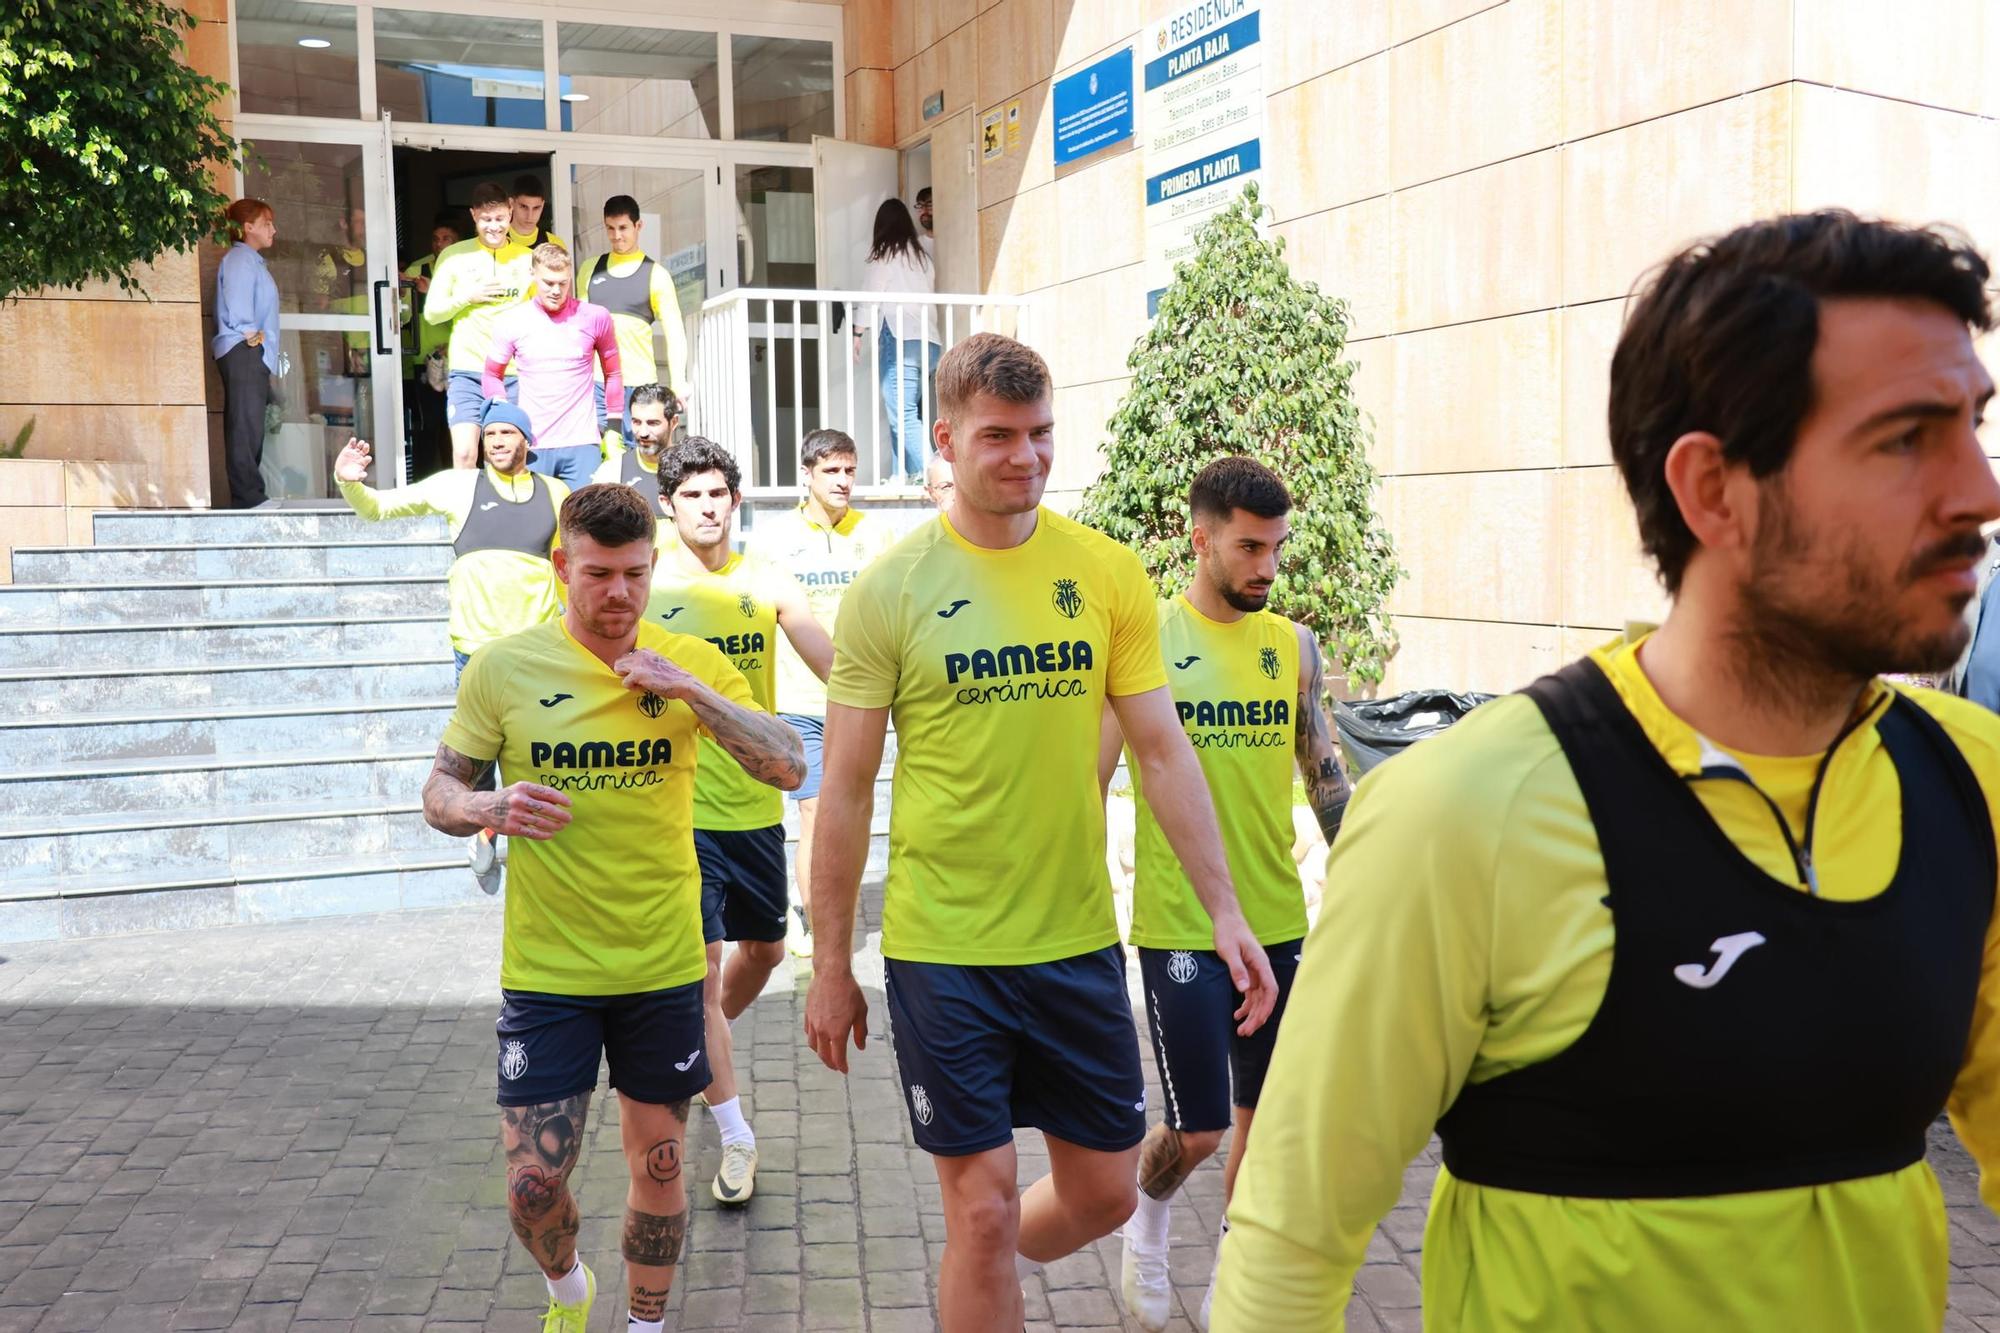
(1482, 181)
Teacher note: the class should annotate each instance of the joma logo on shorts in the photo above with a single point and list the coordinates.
(1018, 659)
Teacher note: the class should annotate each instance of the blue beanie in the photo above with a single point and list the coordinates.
(499, 409)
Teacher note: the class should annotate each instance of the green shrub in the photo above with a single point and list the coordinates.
(1243, 358)
(105, 142)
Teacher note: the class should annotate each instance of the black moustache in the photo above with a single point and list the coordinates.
(1954, 550)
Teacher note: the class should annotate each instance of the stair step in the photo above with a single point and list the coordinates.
(231, 560)
(220, 526)
(395, 725)
(102, 787)
(38, 691)
(148, 642)
(169, 843)
(217, 894)
(24, 607)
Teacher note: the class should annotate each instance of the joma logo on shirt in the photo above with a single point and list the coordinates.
(1018, 659)
(738, 645)
(601, 754)
(1234, 712)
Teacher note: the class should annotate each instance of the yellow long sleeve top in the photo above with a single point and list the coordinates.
(1445, 959)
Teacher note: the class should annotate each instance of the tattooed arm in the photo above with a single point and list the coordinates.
(767, 747)
(523, 810)
(1319, 762)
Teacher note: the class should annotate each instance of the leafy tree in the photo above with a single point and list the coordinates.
(106, 139)
(1243, 358)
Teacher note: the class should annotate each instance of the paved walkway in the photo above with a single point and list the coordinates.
(292, 1127)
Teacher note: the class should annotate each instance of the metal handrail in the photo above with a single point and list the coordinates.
(767, 373)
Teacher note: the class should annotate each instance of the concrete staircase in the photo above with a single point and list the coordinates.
(213, 717)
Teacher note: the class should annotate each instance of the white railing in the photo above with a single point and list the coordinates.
(773, 365)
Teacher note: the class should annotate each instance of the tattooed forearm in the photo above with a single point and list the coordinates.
(448, 794)
(652, 1240)
(1162, 1162)
(767, 747)
(1326, 785)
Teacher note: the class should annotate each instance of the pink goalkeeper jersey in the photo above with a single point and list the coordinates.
(552, 356)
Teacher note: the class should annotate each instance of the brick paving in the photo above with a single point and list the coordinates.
(292, 1127)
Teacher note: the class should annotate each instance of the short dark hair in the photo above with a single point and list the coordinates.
(992, 364)
(1237, 481)
(1720, 339)
(692, 457)
(655, 393)
(824, 443)
(527, 185)
(485, 195)
(609, 513)
(622, 206)
(449, 217)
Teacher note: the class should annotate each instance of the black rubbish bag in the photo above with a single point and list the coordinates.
(1372, 730)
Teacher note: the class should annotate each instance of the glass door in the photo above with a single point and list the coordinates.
(338, 300)
(676, 199)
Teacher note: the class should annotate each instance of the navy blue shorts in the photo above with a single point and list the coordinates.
(1191, 1005)
(655, 1042)
(743, 886)
(812, 730)
(1048, 1046)
(465, 399)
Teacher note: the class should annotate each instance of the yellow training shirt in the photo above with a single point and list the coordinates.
(1463, 936)
(735, 609)
(996, 666)
(825, 561)
(461, 271)
(493, 593)
(612, 903)
(1236, 687)
(635, 336)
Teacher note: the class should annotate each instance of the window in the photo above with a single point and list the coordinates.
(784, 88)
(774, 227)
(652, 81)
(448, 70)
(295, 58)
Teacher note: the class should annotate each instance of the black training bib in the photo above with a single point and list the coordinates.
(494, 524)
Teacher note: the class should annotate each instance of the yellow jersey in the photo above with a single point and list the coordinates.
(636, 359)
(1235, 687)
(825, 561)
(1501, 947)
(460, 272)
(735, 609)
(996, 667)
(612, 903)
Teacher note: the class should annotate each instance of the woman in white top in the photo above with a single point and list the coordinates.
(900, 261)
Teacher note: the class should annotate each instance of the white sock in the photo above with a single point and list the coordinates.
(1148, 1228)
(634, 1324)
(571, 1288)
(1025, 1268)
(729, 1119)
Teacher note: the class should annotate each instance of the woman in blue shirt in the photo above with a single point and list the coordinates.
(246, 345)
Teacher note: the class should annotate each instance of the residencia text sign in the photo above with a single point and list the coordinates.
(1093, 107)
(1203, 122)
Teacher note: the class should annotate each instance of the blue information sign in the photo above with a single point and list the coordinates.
(1093, 107)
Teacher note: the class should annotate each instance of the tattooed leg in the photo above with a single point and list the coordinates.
(656, 1208)
(542, 1143)
(1169, 1156)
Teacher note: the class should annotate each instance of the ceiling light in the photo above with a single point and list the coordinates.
(576, 97)
(314, 43)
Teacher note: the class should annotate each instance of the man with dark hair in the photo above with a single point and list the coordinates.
(1682, 951)
(654, 413)
(601, 952)
(558, 340)
(1247, 684)
(923, 209)
(639, 293)
(474, 283)
(738, 603)
(824, 542)
(998, 633)
(527, 197)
